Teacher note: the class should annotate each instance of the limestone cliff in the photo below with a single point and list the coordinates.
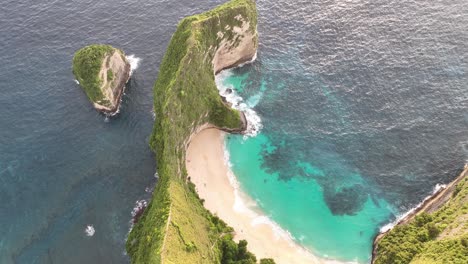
(235, 50)
(175, 227)
(102, 71)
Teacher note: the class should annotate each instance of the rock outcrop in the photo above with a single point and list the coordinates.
(102, 71)
(239, 48)
(175, 227)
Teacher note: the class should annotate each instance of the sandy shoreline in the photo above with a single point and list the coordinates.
(207, 169)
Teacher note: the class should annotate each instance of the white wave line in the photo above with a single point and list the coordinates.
(400, 217)
(134, 62)
(254, 122)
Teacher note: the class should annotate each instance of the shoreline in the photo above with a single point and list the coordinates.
(185, 98)
(428, 205)
(217, 186)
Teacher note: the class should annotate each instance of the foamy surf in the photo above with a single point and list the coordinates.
(89, 230)
(387, 227)
(245, 205)
(254, 58)
(254, 122)
(240, 205)
(134, 63)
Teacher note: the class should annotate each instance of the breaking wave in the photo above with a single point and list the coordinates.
(134, 63)
(89, 230)
(387, 227)
(226, 90)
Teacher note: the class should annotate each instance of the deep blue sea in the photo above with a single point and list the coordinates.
(364, 107)
(63, 166)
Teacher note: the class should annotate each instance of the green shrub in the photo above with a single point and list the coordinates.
(233, 253)
(432, 230)
(457, 189)
(110, 75)
(419, 240)
(87, 64)
(267, 261)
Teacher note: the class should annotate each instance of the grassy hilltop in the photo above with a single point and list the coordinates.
(86, 66)
(175, 227)
(437, 237)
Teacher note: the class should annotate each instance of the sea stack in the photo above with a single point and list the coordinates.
(102, 71)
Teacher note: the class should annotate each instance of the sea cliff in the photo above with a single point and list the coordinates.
(102, 71)
(435, 232)
(175, 227)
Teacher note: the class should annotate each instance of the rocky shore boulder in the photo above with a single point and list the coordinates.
(102, 71)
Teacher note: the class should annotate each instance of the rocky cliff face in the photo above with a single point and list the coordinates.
(175, 227)
(238, 49)
(102, 71)
(114, 74)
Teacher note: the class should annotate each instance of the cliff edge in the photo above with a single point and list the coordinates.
(102, 71)
(175, 227)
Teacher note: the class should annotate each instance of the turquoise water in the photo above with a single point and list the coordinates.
(298, 205)
(363, 104)
(362, 109)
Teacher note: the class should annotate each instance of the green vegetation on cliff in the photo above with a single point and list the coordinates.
(438, 237)
(87, 63)
(175, 227)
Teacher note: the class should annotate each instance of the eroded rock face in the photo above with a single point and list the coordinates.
(102, 71)
(114, 74)
(237, 50)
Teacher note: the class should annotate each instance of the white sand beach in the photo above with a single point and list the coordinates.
(208, 170)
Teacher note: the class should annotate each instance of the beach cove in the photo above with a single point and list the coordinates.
(208, 169)
(360, 110)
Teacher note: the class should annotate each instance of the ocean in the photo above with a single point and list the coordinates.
(63, 165)
(362, 109)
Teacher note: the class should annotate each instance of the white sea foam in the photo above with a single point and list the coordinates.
(134, 63)
(254, 122)
(254, 58)
(247, 206)
(387, 227)
(89, 230)
(242, 203)
(139, 205)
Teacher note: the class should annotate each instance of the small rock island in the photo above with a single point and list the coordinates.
(102, 71)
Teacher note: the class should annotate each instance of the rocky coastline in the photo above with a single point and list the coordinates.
(429, 205)
(176, 227)
(102, 71)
